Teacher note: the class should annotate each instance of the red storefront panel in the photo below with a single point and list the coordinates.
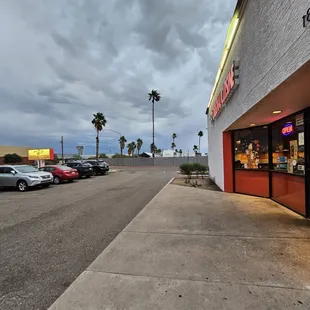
(252, 182)
(289, 190)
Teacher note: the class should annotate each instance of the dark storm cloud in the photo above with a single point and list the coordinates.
(65, 44)
(63, 60)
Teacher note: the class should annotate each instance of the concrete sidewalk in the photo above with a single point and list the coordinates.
(197, 249)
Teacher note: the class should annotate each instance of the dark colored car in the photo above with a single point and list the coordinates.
(61, 173)
(100, 167)
(84, 169)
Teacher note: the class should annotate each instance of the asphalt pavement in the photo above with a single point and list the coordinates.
(49, 236)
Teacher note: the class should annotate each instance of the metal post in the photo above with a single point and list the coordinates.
(62, 149)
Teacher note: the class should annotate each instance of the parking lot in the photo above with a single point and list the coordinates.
(49, 236)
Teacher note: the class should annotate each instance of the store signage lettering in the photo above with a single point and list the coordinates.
(41, 154)
(287, 130)
(306, 19)
(230, 84)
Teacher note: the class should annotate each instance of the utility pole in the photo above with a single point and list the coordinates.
(62, 149)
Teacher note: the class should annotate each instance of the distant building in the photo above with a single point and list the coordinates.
(146, 154)
(169, 153)
(22, 151)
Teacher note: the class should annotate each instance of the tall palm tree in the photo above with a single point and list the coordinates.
(139, 145)
(154, 95)
(99, 122)
(173, 145)
(174, 135)
(133, 147)
(200, 134)
(195, 148)
(129, 146)
(122, 141)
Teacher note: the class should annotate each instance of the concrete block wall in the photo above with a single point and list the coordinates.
(271, 44)
(157, 161)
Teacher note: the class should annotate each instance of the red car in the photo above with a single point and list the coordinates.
(61, 173)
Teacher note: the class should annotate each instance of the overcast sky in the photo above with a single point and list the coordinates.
(63, 60)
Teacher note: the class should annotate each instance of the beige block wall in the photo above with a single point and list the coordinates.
(20, 150)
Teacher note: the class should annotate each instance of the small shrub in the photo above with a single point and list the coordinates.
(187, 169)
(12, 158)
(203, 170)
(197, 168)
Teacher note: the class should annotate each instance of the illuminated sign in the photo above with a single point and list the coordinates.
(287, 129)
(230, 84)
(41, 154)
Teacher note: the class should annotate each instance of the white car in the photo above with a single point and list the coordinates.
(23, 176)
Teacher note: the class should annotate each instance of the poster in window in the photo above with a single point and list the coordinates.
(290, 166)
(293, 149)
(301, 139)
(299, 119)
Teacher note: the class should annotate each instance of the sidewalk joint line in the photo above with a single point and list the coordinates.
(198, 280)
(215, 235)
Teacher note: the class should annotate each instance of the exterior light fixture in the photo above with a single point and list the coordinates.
(252, 125)
(277, 112)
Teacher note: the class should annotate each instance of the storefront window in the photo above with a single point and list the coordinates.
(251, 148)
(288, 145)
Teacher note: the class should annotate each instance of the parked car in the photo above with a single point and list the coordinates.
(61, 173)
(100, 167)
(23, 177)
(84, 169)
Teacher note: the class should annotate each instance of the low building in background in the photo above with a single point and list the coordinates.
(169, 153)
(22, 151)
(145, 155)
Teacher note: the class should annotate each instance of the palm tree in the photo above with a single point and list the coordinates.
(173, 145)
(180, 152)
(174, 135)
(195, 148)
(129, 146)
(158, 151)
(133, 147)
(99, 122)
(154, 95)
(200, 134)
(153, 148)
(122, 141)
(139, 145)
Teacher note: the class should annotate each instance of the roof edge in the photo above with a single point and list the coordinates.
(238, 12)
